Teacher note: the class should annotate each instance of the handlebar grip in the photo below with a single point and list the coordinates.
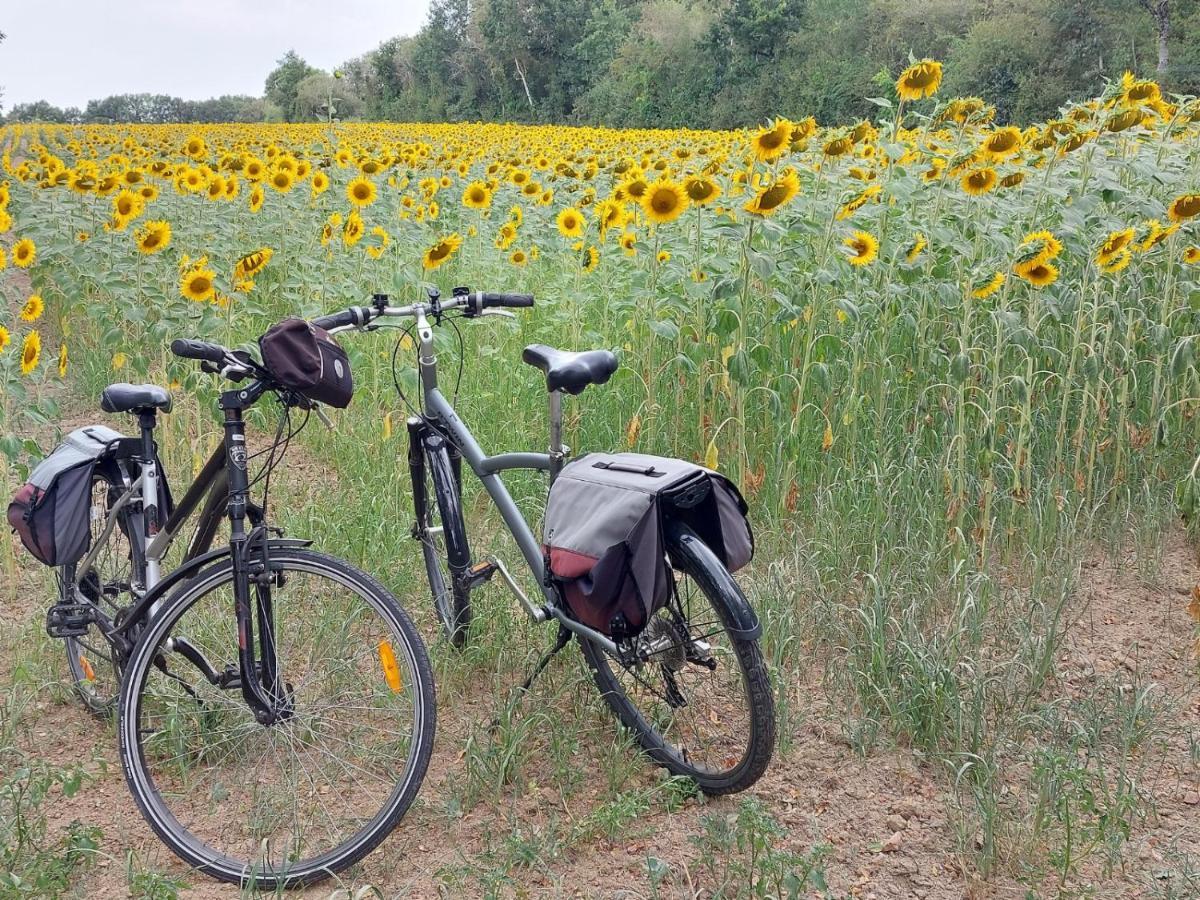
(354, 315)
(513, 300)
(202, 350)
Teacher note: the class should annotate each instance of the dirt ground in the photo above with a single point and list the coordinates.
(885, 818)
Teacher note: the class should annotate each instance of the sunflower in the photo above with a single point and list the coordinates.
(664, 256)
(376, 250)
(332, 224)
(664, 201)
(1002, 143)
(1012, 180)
(1191, 256)
(477, 196)
(1185, 206)
(62, 360)
(361, 192)
(24, 252)
(570, 222)
(921, 79)
(701, 190)
(979, 181)
(1041, 246)
(441, 251)
(216, 188)
(353, 230)
(1037, 272)
(153, 236)
(916, 248)
(4, 337)
(3, 260)
(838, 146)
(778, 193)
(773, 141)
(257, 196)
(1113, 245)
(863, 248)
(589, 258)
(1135, 92)
(251, 264)
(506, 236)
(1153, 234)
(1116, 262)
(31, 352)
(987, 288)
(852, 206)
(197, 284)
(628, 242)
(518, 258)
(1125, 119)
(32, 310)
(282, 180)
(320, 184)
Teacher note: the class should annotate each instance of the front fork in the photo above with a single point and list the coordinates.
(261, 685)
(424, 443)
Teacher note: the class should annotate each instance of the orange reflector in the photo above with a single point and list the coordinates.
(88, 672)
(391, 671)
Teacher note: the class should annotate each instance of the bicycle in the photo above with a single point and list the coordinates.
(705, 638)
(239, 669)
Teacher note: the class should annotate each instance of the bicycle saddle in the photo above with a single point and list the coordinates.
(130, 397)
(571, 372)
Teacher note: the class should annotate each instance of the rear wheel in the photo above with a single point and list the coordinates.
(699, 699)
(442, 533)
(295, 800)
(94, 666)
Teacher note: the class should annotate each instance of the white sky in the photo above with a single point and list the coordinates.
(72, 51)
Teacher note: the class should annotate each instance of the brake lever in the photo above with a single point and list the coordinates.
(498, 312)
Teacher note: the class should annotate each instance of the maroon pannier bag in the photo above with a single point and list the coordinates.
(51, 512)
(604, 533)
(309, 361)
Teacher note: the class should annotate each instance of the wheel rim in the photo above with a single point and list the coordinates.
(293, 798)
(691, 694)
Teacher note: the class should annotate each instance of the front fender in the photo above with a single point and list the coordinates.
(191, 568)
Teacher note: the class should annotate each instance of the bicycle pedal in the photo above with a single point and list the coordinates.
(481, 573)
(66, 620)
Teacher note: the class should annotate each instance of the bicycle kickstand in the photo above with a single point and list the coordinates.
(564, 638)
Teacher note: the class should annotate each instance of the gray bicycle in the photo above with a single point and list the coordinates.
(692, 686)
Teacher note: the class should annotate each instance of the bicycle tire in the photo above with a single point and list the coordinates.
(693, 559)
(451, 601)
(144, 660)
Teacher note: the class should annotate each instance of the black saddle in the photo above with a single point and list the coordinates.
(571, 372)
(134, 397)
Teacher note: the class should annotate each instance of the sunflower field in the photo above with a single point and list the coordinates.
(939, 354)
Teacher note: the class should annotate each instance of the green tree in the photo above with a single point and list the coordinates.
(284, 81)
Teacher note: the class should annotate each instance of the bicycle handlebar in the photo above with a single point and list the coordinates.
(473, 303)
(485, 299)
(202, 350)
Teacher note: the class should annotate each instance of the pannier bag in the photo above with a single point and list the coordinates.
(51, 512)
(604, 533)
(308, 360)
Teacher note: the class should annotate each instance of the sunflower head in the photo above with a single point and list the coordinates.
(771, 142)
(978, 181)
(861, 247)
(197, 284)
(664, 201)
(921, 79)
(1183, 207)
(570, 222)
(477, 196)
(24, 252)
(361, 192)
(776, 194)
(441, 251)
(32, 308)
(31, 352)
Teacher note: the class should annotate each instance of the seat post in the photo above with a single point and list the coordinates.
(556, 445)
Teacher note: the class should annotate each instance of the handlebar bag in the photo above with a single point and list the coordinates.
(309, 361)
(604, 538)
(51, 512)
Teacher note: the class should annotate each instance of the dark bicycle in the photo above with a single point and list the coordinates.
(692, 685)
(276, 712)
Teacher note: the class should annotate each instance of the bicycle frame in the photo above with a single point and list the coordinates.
(223, 486)
(487, 469)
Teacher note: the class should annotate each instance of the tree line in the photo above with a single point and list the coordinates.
(705, 63)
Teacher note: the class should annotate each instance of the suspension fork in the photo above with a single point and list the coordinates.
(426, 447)
(261, 687)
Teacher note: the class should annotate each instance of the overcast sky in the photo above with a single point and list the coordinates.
(72, 51)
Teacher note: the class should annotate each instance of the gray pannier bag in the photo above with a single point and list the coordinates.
(51, 512)
(604, 533)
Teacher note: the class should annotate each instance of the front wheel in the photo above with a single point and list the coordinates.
(699, 700)
(293, 801)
